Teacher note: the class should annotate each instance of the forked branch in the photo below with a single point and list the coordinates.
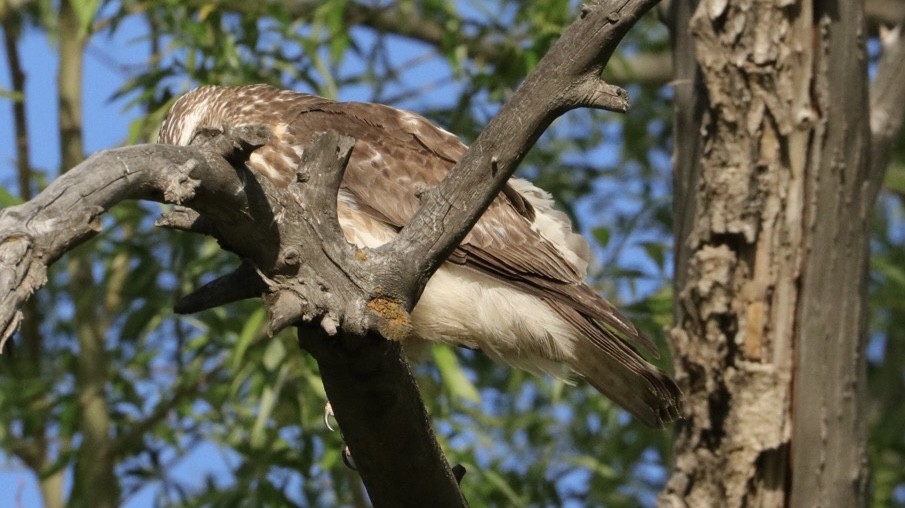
(344, 301)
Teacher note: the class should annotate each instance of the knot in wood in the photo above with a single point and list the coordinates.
(285, 308)
(290, 257)
(180, 187)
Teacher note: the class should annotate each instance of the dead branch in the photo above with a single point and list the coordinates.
(346, 301)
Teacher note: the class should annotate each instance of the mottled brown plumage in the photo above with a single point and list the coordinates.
(515, 286)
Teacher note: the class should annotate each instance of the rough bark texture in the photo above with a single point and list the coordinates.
(772, 205)
(829, 458)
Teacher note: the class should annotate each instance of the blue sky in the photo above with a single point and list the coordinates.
(106, 123)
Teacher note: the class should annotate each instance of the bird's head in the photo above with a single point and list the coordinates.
(201, 108)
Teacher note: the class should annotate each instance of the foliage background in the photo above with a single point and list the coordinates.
(205, 410)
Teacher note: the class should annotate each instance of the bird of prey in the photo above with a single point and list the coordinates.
(513, 289)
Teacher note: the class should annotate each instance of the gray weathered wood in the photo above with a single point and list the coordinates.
(345, 300)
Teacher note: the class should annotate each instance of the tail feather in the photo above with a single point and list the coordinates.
(628, 380)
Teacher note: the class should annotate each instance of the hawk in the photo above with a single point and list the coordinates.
(513, 289)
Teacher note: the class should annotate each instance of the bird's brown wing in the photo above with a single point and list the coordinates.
(398, 154)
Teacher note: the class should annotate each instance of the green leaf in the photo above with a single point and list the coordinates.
(503, 486)
(895, 177)
(266, 406)
(11, 95)
(655, 251)
(251, 331)
(595, 465)
(274, 354)
(602, 235)
(454, 377)
(8, 199)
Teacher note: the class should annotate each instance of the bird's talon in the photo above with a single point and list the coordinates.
(347, 458)
(328, 413)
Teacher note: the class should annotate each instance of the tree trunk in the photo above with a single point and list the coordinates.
(772, 207)
(95, 480)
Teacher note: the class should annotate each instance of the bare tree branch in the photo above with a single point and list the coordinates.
(345, 300)
(35, 234)
(372, 391)
(242, 284)
(26, 364)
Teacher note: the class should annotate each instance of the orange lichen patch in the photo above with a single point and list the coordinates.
(360, 255)
(395, 321)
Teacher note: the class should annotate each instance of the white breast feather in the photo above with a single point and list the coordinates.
(463, 307)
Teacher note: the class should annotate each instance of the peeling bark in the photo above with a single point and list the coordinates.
(771, 254)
